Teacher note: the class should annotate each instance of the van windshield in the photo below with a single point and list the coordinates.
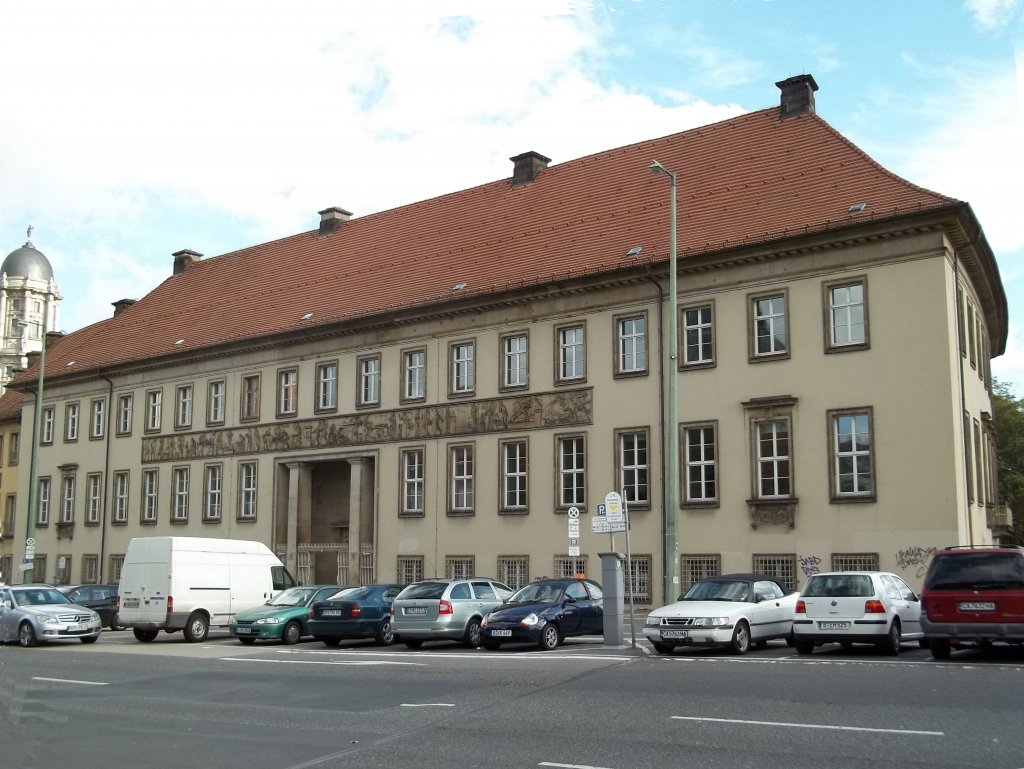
(965, 571)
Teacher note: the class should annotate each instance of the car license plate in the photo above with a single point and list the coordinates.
(977, 606)
(77, 628)
(331, 612)
(833, 625)
(501, 633)
(243, 630)
(675, 633)
(131, 603)
(416, 610)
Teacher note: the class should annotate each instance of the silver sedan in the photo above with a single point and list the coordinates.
(33, 614)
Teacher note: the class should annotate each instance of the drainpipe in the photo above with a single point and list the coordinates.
(661, 410)
(106, 477)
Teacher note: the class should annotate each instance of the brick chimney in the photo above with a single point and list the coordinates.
(121, 305)
(797, 96)
(332, 218)
(184, 259)
(527, 166)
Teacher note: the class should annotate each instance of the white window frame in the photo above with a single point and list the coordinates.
(572, 470)
(698, 340)
(183, 411)
(287, 392)
(71, 422)
(774, 467)
(572, 352)
(93, 497)
(154, 400)
(853, 471)
(369, 380)
(515, 470)
(47, 425)
(99, 418)
(216, 402)
(515, 360)
(252, 386)
(461, 491)
(179, 494)
(67, 499)
(700, 463)
(414, 374)
(463, 367)
(124, 414)
(847, 314)
(412, 463)
(770, 325)
(631, 344)
(248, 479)
(634, 474)
(121, 496)
(150, 495)
(327, 386)
(213, 492)
(43, 502)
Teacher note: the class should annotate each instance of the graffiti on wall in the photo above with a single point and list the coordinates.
(810, 564)
(914, 558)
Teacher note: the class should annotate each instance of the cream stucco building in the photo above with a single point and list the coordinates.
(428, 390)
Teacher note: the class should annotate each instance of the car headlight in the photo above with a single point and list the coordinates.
(710, 621)
(268, 621)
(530, 620)
(46, 619)
(485, 621)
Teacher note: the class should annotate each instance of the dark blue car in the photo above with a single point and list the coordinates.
(358, 612)
(545, 613)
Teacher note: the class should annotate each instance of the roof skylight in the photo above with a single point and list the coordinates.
(635, 251)
(458, 286)
(857, 207)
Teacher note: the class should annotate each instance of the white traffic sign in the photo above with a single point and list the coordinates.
(613, 504)
(574, 512)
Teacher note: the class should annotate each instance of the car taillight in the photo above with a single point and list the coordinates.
(170, 604)
(117, 603)
(445, 607)
(873, 607)
(357, 611)
(801, 607)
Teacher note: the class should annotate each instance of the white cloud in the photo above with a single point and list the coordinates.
(1009, 367)
(992, 13)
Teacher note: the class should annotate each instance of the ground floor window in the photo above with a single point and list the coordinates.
(459, 566)
(514, 570)
(781, 566)
(855, 562)
(640, 578)
(568, 566)
(409, 568)
(90, 569)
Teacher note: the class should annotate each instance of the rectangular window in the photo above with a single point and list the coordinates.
(12, 449)
(327, 386)
(972, 335)
(124, 414)
(6, 569)
(572, 361)
(514, 361)
(150, 499)
(98, 422)
(631, 344)
(153, 402)
(459, 567)
(179, 498)
(251, 397)
(770, 332)
(778, 565)
(216, 396)
(698, 336)
(369, 381)
(121, 497)
(701, 464)
(183, 411)
(71, 422)
(513, 476)
(10, 506)
(639, 583)
(461, 473)
(463, 368)
(287, 392)
(855, 562)
(847, 315)
(116, 564)
(93, 498)
(412, 482)
(213, 488)
(852, 471)
(62, 574)
(39, 569)
(43, 502)
(414, 375)
(247, 490)
(570, 566)
(571, 471)
(67, 499)
(514, 570)
(634, 472)
(774, 471)
(409, 569)
(90, 569)
(47, 420)
(693, 567)
(979, 473)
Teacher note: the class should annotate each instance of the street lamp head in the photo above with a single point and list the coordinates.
(657, 167)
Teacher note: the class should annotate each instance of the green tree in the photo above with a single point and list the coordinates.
(1008, 417)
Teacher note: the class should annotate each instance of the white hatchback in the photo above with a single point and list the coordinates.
(849, 607)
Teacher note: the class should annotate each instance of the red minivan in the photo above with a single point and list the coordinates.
(973, 595)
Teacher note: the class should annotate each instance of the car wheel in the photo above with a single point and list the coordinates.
(550, 637)
(939, 647)
(331, 640)
(790, 639)
(197, 627)
(247, 641)
(292, 633)
(26, 635)
(473, 635)
(144, 635)
(803, 646)
(385, 635)
(492, 646)
(740, 643)
(891, 644)
(414, 643)
(89, 639)
(662, 648)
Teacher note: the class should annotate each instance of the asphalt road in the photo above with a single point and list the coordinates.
(121, 703)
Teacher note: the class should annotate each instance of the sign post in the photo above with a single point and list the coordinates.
(574, 531)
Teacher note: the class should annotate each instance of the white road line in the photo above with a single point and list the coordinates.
(319, 662)
(427, 705)
(570, 766)
(810, 726)
(70, 681)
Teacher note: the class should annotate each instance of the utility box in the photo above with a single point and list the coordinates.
(613, 583)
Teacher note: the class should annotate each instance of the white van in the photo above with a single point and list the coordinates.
(191, 583)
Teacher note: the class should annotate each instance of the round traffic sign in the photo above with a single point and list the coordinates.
(574, 512)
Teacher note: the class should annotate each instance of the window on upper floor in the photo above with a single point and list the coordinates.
(700, 463)
(98, 420)
(846, 322)
(124, 414)
(47, 426)
(773, 458)
(699, 336)
(369, 380)
(972, 335)
(180, 494)
(71, 422)
(216, 399)
(183, 406)
(43, 502)
(514, 361)
(327, 386)
(154, 400)
(631, 344)
(571, 364)
(769, 330)
(571, 451)
(93, 498)
(412, 464)
(213, 492)
(247, 490)
(461, 468)
(414, 374)
(514, 476)
(150, 495)
(67, 499)
(120, 497)
(633, 466)
(287, 392)
(852, 476)
(462, 360)
(12, 448)
(250, 397)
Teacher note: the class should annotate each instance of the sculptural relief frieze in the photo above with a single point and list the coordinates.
(519, 412)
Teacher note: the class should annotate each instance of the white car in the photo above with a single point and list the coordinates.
(734, 610)
(34, 614)
(851, 607)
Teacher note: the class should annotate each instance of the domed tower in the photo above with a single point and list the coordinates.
(28, 295)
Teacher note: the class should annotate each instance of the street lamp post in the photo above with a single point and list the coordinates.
(672, 483)
(33, 470)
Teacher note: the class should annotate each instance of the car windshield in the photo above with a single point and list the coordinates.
(718, 590)
(293, 596)
(839, 586)
(39, 596)
(966, 571)
(540, 593)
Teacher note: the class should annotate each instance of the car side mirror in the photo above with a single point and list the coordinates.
(758, 598)
(913, 598)
(570, 599)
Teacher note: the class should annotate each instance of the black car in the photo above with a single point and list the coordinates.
(545, 613)
(100, 598)
(356, 612)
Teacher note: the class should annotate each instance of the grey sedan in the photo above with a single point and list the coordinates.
(33, 614)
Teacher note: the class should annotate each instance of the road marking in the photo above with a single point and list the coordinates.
(318, 662)
(570, 766)
(70, 681)
(811, 726)
(427, 705)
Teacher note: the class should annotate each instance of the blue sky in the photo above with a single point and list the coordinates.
(132, 130)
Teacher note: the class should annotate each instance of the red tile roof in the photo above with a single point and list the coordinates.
(10, 406)
(745, 180)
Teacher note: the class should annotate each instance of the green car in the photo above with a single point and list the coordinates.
(282, 618)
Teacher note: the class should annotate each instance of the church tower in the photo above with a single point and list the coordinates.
(29, 306)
